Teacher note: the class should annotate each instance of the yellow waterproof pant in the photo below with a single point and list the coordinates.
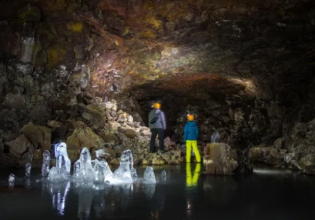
(195, 149)
(192, 180)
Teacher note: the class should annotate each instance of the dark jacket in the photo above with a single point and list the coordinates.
(160, 122)
(191, 131)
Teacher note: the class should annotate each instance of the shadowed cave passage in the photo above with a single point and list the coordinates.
(210, 97)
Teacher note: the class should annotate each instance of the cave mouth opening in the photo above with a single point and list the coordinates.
(211, 98)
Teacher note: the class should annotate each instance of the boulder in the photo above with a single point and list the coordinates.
(39, 136)
(130, 133)
(217, 159)
(18, 146)
(84, 137)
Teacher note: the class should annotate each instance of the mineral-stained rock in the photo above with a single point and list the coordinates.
(84, 137)
(39, 136)
(217, 159)
(18, 146)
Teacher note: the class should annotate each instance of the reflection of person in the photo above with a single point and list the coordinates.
(190, 137)
(192, 180)
(157, 125)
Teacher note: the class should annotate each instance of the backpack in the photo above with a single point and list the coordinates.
(156, 117)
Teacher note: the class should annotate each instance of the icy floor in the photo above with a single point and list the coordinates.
(267, 194)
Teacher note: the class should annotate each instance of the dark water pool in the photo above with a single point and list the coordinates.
(267, 194)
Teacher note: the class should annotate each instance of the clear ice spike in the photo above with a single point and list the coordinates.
(149, 176)
(28, 168)
(11, 180)
(123, 174)
(61, 149)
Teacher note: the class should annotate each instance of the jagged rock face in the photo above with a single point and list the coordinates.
(244, 68)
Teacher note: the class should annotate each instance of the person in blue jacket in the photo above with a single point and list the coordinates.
(190, 137)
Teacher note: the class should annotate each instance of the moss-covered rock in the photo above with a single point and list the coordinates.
(84, 137)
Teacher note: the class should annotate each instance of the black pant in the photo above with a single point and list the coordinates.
(156, 131)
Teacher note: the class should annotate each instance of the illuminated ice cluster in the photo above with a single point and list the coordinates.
(92, 172)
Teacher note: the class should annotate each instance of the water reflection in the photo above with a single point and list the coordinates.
(192, 180)
(59, 192)
(99, 203)
(86, 195)
(122, 194)
(149, 190)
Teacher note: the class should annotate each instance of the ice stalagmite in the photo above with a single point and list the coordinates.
(61, 149)
(63, 164)
(149, 176)
(101, 168)
(123, 173)
(84, 172)
(11, 180)
(46, 163)
(28, 168)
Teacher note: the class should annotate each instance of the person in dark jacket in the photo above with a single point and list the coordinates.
(190, 137)
(157, 125)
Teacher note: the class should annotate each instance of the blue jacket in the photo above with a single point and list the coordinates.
(191, 131)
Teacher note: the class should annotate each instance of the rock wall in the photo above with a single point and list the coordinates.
(244, 68)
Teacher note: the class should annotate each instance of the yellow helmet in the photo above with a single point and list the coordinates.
(190, 117)
(157, 105)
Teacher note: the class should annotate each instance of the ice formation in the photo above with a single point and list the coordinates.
(46, 163)
(149, 176)
(28, 168)
(96, 173)
(84, 172)
(61, 149)
(123, 173)
(11, 180)
(63, 164)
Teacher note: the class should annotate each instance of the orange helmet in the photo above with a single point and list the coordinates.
(157, 105)
(190, 117)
